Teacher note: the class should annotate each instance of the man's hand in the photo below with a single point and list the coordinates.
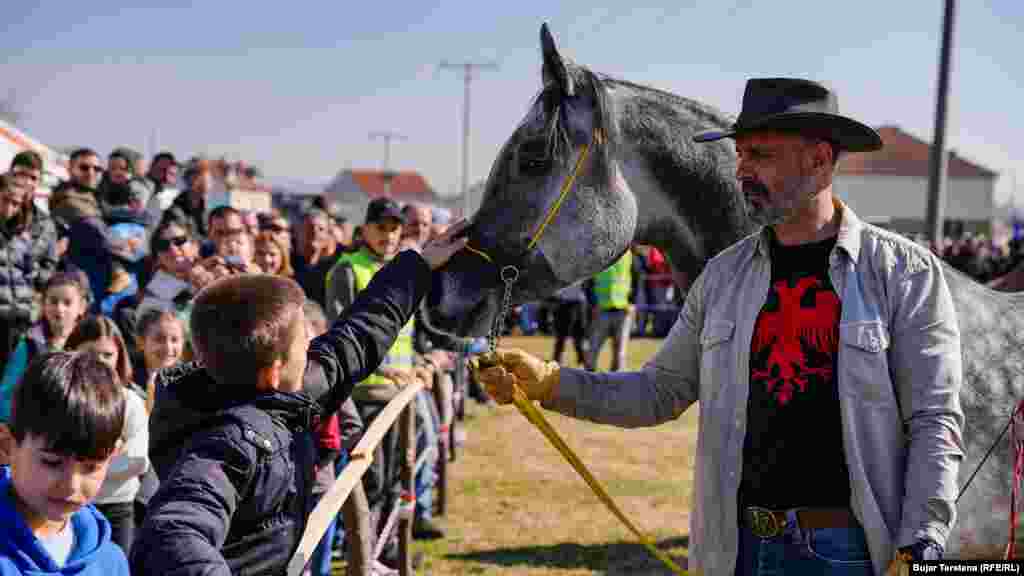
(401, 378)
(438, 250)
(442, 360)
(426, 374)
(505, 369)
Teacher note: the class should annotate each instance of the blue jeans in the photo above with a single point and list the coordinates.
(320, 563)
(840, 551)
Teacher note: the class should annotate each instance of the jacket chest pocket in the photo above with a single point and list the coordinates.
(717, 358)
(864, 362)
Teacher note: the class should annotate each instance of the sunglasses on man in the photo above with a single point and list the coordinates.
(90, 168)
(162, 244)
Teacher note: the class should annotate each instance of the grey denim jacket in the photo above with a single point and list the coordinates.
(898, 372)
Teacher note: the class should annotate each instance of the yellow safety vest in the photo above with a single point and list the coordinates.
(401, 353)
(611, 287)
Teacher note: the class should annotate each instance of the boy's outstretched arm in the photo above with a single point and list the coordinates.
(187, 521)
(359, 339)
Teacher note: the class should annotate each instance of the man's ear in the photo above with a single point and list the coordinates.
(269, 377)
(822, 156)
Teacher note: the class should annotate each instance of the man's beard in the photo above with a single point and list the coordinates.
(762, 211)
(799, 192)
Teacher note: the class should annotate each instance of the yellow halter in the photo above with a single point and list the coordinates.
(567, 187)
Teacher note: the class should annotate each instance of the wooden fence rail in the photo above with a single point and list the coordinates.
(351, 475)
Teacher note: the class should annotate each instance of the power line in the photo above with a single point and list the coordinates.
(467, 69)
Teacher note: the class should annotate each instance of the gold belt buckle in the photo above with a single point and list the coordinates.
(763, 523)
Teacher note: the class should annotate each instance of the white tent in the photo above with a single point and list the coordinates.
(13, 140)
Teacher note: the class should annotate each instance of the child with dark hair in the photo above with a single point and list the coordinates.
(116, 498)
(160, 340)
(66, 423)
(65, 302)
(238, 425)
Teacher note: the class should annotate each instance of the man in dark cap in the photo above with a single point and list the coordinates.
(382, 233)
(826, 355)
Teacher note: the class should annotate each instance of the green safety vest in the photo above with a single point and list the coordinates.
(611, 287)
(401, 353)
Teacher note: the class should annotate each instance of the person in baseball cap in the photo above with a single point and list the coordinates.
(382, 229)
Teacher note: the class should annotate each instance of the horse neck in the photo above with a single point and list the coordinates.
(689, 205)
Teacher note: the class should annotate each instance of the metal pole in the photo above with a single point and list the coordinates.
(939, 161)
(468, 79)
(467, 69)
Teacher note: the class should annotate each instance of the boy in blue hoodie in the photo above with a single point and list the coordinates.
(66, 421)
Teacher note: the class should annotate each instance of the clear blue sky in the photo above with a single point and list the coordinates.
(295, 87)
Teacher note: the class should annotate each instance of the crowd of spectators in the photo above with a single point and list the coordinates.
(111, 262)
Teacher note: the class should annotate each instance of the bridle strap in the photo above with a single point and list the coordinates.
(567, 187)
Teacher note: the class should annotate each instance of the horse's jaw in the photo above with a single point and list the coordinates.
(468, 293)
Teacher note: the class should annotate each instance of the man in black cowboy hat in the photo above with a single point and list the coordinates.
(826, 355)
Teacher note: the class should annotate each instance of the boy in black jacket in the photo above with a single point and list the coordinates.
(236, 498)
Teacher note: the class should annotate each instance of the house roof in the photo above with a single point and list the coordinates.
(904, 154)
(405, 186)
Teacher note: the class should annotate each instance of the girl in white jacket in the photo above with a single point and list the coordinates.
(117, 494)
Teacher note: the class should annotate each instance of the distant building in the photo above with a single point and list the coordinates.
(55, 163)
(352, 190)
(890, 187)
(238, 185)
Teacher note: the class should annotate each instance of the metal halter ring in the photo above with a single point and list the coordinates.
(509, 274)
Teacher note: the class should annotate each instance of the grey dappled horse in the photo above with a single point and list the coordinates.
(645, 181)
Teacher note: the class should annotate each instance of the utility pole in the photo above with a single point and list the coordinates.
(939, 160)
(467, 69)
(387, 137)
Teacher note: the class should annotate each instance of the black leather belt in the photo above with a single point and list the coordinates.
(765, 523)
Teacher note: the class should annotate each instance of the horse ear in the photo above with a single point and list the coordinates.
(554, 71)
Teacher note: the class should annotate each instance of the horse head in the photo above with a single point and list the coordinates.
(550, 209)
(596, 165)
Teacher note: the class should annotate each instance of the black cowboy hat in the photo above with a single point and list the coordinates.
(796, 105)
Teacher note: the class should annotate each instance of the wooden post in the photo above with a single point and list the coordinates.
(442, 397)
(406, 447)
(939, 160)
(356, 512)
(359, 461)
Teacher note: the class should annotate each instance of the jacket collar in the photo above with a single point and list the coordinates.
(195, 389)
(848, 238)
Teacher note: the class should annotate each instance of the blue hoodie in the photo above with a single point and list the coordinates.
(21, 552)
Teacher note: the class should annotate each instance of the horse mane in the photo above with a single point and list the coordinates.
(559, 141)
(661, 124)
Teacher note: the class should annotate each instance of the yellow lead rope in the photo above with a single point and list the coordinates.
(527, 408)
(553, 211)
(535, 417)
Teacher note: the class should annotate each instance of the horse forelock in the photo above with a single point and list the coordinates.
(548, 120)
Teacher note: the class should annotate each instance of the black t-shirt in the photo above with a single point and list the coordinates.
(793, 452)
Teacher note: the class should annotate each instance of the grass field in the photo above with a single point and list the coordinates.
(516, 507)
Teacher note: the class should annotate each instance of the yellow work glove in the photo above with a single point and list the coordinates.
(498, 373)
